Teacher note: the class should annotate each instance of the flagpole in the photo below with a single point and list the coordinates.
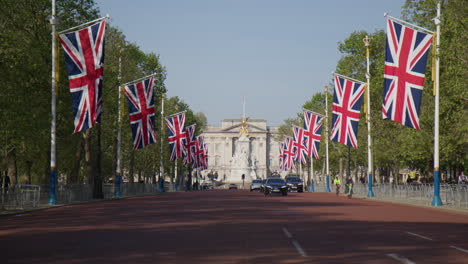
(349, 78)
(161, 167)
(118, 177)
(312, 188)
(370, 192)
(175, 177)
(140, 79)
(53, 127)
(436, 201)
(327, 177)
(83, 25)
(409, 24)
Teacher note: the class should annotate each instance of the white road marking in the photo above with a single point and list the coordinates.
(286, 232)
(299, 248)
(423, 237)
(400, 258)
(295, 243)
(461, 249)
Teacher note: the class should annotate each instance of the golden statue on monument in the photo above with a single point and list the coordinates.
(243, 130)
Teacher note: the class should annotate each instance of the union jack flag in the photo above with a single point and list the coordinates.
(405, 63)
(299, 143)
(289, 154)
(84, 58)
(190, 143)
(141, 109)
(281, 156)
(201, 153)
(346, 111)
(312, 132)
(176, 134)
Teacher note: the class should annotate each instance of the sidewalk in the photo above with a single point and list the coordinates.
(415, 202)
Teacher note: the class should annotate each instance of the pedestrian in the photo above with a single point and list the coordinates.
(462, 178)
(337, 184)
(349, 184)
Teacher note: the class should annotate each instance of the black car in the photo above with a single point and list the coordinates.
(275, 185)
(294, 183)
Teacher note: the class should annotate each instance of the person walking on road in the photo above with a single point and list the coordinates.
(337, 184)
(349, 184)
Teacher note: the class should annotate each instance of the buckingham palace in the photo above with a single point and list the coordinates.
(261, 149)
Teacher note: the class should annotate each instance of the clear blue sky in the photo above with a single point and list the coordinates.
(277, 53)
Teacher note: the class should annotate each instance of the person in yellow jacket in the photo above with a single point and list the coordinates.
(337, 184)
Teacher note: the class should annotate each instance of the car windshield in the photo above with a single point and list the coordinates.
(256, 181)
(293, 180)
(275, 181)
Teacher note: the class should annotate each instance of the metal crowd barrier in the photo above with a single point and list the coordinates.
(28, 196)
(454, 195)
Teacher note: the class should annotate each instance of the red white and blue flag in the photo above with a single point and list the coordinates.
(190, 142)
(312, 132)
(346, 110)
(281, 156)
(140, 98)
(201, 153)
(405, 64)
(176, 134)
(84, 58)
(288, 153)
(299, 143)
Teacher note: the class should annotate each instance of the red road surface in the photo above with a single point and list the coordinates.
(235, 227)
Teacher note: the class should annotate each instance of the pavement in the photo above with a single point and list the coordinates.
(222, 226)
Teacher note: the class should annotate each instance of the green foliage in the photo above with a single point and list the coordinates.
(396, 146)
(25, 71)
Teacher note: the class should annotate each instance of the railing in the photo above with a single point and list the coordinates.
(455, 195)
(26, 196)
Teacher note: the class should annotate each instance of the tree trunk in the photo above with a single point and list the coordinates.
(97, 190)
(12, 168)
(88, 163)
(114, 162)
(75, 172)
(132, 163)
(341, 169)
(28, 171)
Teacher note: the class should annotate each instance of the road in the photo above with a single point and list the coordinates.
(221, 226)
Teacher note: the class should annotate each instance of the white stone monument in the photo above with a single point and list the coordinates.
(240, 162)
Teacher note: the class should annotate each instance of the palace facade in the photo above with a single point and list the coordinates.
(263, 148)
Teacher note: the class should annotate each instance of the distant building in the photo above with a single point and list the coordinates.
(262, 154)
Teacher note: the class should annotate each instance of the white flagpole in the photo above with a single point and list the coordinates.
(370, 192)
(161, 167)
(140, 79)
(175, 177)
(312, 189)
(52, 197)
(409, 24)
(349, 78)
(436, 201)
(118, 175)
(327, 177)
(83, 25)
